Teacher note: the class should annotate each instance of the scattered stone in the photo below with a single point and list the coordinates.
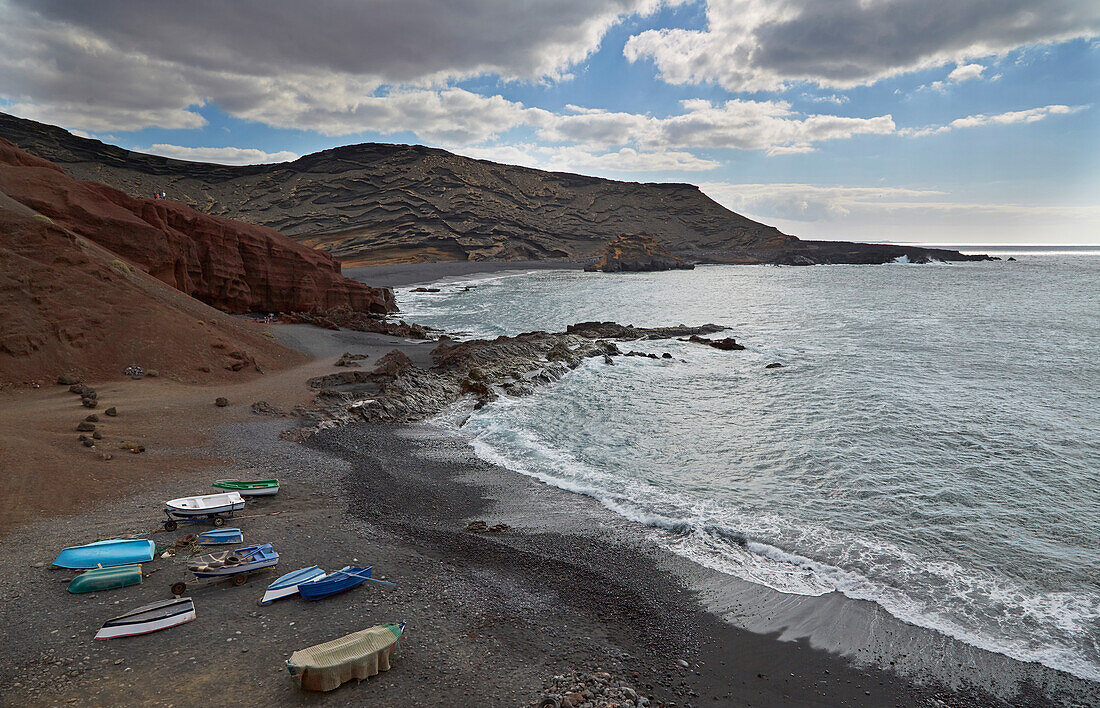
(111, 411)
(106, 456)
(774, 365)
(96, 435)
(82, 390)
(93, 418)
(221, 401)
(85, 427)
(265, 408)
(349, 359)
(682, 663)
(1010, 258)
(666, 355)
(477, 526)
(67, 380)
(89, 402)
(89, 443)
(131, 446)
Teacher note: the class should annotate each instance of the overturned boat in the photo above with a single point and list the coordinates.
(149, 618)
(358, 655)
(106, 579)
(103, 554)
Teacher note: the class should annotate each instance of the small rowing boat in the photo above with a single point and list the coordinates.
(149, 618)
(241, 560)
(359, 655)
(106, 579)
(218, 537)
(206, 504)
(103, 554)
(287, 585)
(253, 488)
(337, 582)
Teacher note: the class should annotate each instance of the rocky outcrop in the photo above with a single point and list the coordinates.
(347, 318)
(397, 390)
(377, 203)
(635, 253)
(233, 266)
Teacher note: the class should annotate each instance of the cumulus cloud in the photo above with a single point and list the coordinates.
(753, 45)
(1031, 115)
(220, 155)
(114, 64)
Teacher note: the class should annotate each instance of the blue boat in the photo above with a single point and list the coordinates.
(242, 560)
(340, 581)
(219, 536)
(287, 585)
(105, 554)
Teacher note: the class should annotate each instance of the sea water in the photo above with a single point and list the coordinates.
(931, 442)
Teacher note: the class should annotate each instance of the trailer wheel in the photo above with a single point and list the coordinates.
(170, 525)
(179, 588)
(219, 521)
(239, 579)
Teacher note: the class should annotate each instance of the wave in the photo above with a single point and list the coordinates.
(973, 606)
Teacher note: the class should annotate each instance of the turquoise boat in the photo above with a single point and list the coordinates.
(105, 554)
(106, 579)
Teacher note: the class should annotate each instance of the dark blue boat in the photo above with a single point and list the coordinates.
(336, 582)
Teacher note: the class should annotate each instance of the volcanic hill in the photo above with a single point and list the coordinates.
(378, 203)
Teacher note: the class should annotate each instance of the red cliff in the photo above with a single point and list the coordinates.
(230, 265)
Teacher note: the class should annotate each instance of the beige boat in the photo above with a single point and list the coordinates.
(359, 655)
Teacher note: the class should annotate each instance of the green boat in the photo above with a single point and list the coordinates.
(106, 578)
(253, 488)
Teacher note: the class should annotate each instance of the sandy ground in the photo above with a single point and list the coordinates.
(491, 617)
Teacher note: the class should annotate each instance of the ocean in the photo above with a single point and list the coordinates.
(931, 442)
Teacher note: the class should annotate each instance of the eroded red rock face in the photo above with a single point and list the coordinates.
(230, 265)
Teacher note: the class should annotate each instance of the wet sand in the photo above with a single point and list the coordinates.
(492, 617)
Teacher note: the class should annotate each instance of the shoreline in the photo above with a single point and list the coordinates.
(403, 275)
(492, 617)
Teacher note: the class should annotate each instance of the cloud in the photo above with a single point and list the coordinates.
(965, 72)
(220, 155)
(755, 45)
(579, 159)
(117, 65)
(1031, 115)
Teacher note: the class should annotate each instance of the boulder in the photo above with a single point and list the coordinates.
(67, 380)
(638, 253)
(111, 411)
(85, 427)
(774, 365)
(221, 401)
(393, 364)
(93, 418)
(96, 435)
(89, 402)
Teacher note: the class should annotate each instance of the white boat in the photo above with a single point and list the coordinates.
(149, 618)
(207, 504)
(287, 585)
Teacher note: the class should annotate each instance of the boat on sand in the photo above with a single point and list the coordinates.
(103, 554)
(205, 505)
(252, 488)
(241, 560)
(106, 579)
(287, 585)
(358, 655)
(149, 618)
(218, 537)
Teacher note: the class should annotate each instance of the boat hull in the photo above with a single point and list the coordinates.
(149, 618)
(106, 554)
(205, 505)
(219, 537)
(359, 655)
(242, 560)
(340, 581)
(258, 488)
(287, 585)
(106, 579)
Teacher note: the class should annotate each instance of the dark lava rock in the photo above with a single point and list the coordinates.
(111, 411)
(93, 418)
(729, 344)
(774, 365)
(89, 402)
(96, 435)
(349, 359)
(85, 427)
(89, 443)
(638, 253)
(1010, 258)
(67, 380)
(424, 290)
(221, 401)
(666, 355)
(392, 364)
(265, 408)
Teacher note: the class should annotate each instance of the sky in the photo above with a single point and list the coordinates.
(909, 121)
